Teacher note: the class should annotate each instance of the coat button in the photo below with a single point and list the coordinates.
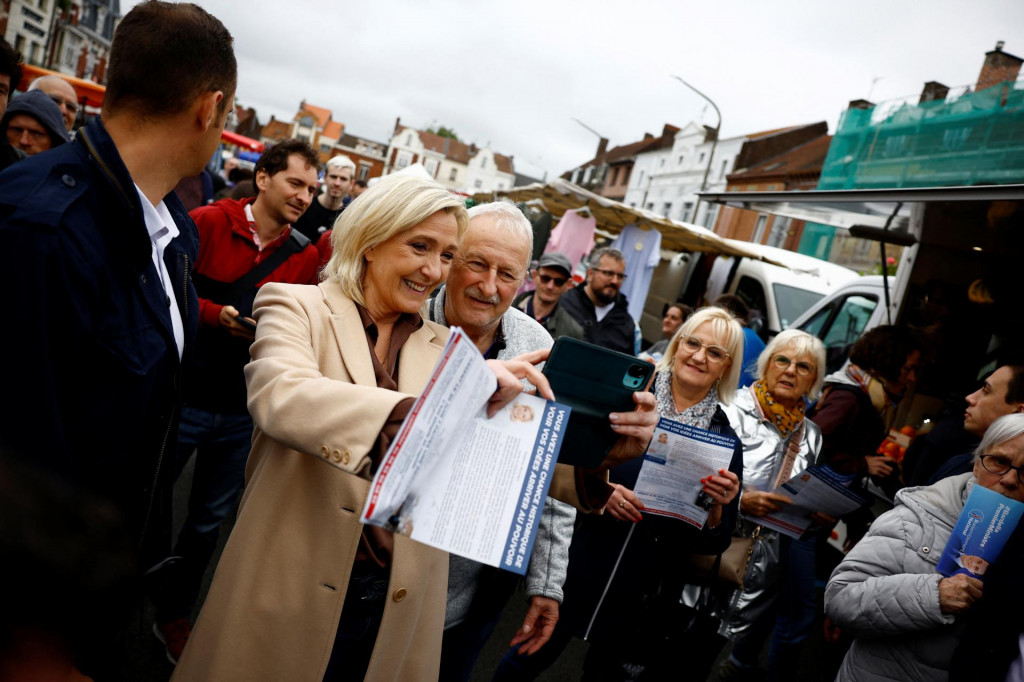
(325, 451)
(399, 594)
(143, 278)
(346, 457)
(925, 550)
(68, 181)
(336, 455)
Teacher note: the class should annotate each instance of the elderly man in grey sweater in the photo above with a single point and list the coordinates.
(488, 269)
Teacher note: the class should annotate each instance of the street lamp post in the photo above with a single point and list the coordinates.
(714, 143)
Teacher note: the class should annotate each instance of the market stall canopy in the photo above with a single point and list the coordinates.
(88, 92)
(852, 208)
(559, 196)
(242, 141)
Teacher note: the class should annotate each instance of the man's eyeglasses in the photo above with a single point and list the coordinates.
(1000, 465)
(611, 274)
(71, 105)
(559, 281)
(804, 369)
(714, 354)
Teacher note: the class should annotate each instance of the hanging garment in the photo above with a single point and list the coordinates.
(642, 249)
(573, 237)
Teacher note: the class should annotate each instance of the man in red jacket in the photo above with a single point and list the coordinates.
(243, 244)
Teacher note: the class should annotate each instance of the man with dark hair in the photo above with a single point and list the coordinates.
(100, 252)
(10, 76)
(598, 305)
(322, 213)
(358, 187)
(243, 244)
(948, 449)
(752, 343)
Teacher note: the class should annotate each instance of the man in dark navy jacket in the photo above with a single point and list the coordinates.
(95, 253)
(599, 305)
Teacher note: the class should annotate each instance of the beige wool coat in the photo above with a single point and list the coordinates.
(277, 594)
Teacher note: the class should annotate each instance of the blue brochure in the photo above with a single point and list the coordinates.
(984, 526)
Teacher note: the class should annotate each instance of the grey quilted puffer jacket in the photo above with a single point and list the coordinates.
(886, 591)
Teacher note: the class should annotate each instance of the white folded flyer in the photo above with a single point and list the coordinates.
(678, 457)
(816, 489)
(460, 481)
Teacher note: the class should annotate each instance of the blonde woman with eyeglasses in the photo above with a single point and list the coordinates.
(779, 442)
(627, 570)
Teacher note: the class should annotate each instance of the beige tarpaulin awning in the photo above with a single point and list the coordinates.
(559, 196)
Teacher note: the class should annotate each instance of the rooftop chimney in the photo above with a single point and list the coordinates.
(602, 147)
(998, 67)
(860, 104)
(933, 90)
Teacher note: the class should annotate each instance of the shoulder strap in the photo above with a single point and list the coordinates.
(295, 244)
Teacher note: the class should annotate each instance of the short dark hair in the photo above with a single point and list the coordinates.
(275, 158)
(164, 55)
(735, 305)
(883, 351)
(361, 183)
(10, 63)
(1015, 389)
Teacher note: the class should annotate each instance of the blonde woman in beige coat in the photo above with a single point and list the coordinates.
(315, 395)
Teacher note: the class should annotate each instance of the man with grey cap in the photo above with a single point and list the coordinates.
(552, 277)
(33, 123)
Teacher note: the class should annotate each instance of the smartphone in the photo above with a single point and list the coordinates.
(594, 382)
(248, 324)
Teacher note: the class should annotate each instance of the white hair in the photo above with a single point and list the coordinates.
(340, 161)
(802, 343)
(510, 219)
(1007, 427)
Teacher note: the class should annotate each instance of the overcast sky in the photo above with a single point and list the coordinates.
(513, 75)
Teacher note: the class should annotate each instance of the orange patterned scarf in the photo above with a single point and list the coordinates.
(784, 419)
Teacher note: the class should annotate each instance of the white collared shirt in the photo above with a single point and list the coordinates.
(162, 230)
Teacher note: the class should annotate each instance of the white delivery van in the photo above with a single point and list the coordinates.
(778, 294)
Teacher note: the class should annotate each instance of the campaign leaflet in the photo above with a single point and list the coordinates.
(460, 481)
(678, 457)
(984, 526)
(815, 489)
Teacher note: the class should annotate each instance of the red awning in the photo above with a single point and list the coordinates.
(88, 92)
(242, 141)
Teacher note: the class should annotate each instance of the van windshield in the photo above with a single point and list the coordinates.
(792, 302)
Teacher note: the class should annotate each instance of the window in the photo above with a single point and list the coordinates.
(701, 159)
(306, 121)
(710, 215)
(478, 184)
(752, 293)
(431, 167)
(588, 174)
(685, 215)
(483, 162)
(779, 232)
(758, 235)
(681, 157)
(408, 140)
(364, 170)
(792, 302)
(326, 148)
(661, 163)
(725, 167)
(640, 178)
(576, 176)
(839, 325)
(615, 175)
(453, 174)
(650, 206)
(666, 208)
(403, 160)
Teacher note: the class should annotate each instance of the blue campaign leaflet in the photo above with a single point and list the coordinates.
(984, 526)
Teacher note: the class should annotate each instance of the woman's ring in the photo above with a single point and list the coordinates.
(622, 503)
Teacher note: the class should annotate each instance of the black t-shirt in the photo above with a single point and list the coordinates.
(316, 220)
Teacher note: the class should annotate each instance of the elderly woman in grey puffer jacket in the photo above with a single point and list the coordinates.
(886, 592)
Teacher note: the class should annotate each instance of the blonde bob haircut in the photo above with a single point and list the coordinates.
(395, 204)
(728, 334)
(801, 343)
